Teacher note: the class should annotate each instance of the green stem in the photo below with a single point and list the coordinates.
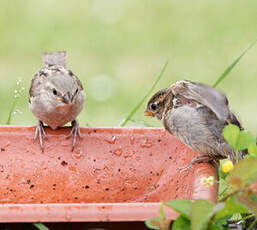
(237, 156)
(40, 226)
(232, 65)
(230, 194)
(252, 225)
(134, 110)
(247, 217)
(223, 192)
(244, 218)
(11, 112)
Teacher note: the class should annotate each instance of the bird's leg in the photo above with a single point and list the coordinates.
(40, 134)
(75, 132)
(198, 159)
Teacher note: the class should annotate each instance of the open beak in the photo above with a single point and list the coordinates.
(148, 113)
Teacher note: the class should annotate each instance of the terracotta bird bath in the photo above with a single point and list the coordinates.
(114, 175)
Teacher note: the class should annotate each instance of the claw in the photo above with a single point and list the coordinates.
(75, 131)
(40, 134)
(199, 159)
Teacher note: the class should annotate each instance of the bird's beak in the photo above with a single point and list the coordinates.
(148, 113)
(67, 98)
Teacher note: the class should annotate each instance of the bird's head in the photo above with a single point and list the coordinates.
(62, 90)
(159, 103)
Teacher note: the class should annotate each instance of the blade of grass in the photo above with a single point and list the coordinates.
(17, 94)
(11, 112)
(228, 70)
(40, 226)
(134, 110)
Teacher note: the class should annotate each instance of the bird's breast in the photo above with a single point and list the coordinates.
(55, 115)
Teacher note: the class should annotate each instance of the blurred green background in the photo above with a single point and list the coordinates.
(118, 47)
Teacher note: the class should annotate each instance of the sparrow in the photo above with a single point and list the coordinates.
(56, 97)
(196, 114)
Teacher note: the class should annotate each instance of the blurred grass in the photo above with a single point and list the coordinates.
(140, 103)
(232, 65)
(124, 43)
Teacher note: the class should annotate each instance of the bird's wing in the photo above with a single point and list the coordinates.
(205, 95)
(35, 84)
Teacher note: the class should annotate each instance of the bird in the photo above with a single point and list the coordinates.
(197, 114)
(56, 97)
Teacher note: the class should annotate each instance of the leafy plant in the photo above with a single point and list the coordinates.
(235, 192)
(238, 140)
(238, 199)
(160, 222)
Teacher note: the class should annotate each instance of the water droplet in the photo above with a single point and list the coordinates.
(146, 144)
(77, 154)
(7, 144)
(65, 144)
(117, 152)
(112, 140)
(132, 140)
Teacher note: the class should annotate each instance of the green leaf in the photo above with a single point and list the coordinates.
(161, 213)
(181, 223)
(222, 175)
(245, 171)
(237, 139)
(232, 206)
(228, 70)
(231, 134)
(134, 110)
(252, 149)
(181, 206)
(253, 198)
(223, 188)
(40, 226)
(245, 139)
(215, 227)
(201, 212)
(247, 201)
(153, 223)
(220, 224)
(157, 223)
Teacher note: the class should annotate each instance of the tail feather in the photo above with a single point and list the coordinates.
(58, 58)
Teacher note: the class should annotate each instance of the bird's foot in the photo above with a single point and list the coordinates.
(75, 132)
(198, 159)
(40, 134)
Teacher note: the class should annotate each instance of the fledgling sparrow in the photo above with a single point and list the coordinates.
(196, 114)
(56, 96)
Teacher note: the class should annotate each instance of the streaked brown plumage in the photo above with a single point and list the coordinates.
(197, 115)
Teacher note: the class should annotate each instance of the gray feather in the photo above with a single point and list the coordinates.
(208, 96)
(58, 58)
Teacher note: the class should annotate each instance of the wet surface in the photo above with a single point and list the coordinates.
(108, 165)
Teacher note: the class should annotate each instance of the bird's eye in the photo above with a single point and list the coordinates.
(54, 91)
(154, 106)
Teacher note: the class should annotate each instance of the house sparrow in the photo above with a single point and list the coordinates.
(56, 97)
(196, 114)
